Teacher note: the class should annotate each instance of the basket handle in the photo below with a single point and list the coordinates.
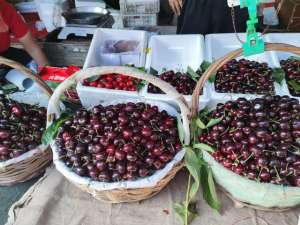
(222, 61)
(54, 109)
(15, 65)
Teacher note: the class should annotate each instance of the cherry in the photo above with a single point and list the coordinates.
(146, 132)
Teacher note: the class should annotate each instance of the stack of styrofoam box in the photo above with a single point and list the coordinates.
(218, 45)
(285, 38)
(95, 57)
(175, 52)
(139, 13)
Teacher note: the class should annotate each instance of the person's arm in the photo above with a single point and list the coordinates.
(33, 49)
(176, 6)
(20, 30)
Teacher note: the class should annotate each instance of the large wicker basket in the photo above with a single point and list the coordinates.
(242, 191)
(118, 193)
(34, 162)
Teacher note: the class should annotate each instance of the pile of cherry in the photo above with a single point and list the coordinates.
(244, 77)
(183, 83)
(114, 81)
(258, 139)
(118, 142)
(21, 127)
(292, 72)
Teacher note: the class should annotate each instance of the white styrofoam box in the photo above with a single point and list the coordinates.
(90, 3)
(139, 6)
(95, 57)
(92, 96)
(285, 38)
(174, 52)
(140, 20)
(218, 45)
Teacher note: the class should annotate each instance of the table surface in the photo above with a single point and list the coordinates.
(56, 201)
(9, 195)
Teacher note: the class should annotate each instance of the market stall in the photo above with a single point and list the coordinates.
(147, 127)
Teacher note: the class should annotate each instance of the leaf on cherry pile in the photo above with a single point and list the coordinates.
(92, 79)
(51, 132)
(180, 211)
(278, 75)
(180, 130)
(209, 189)
(213, 122)
(141, 85)
(153, 71)
(294, 85)
(200, 124)
(192, 74)
(8, 88)
(204, 147)
(204, 66)
(296, 58)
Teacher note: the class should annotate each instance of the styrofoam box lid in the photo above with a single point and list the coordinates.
(175, 52)
(285, 38)
(101, 35)
(218, 45)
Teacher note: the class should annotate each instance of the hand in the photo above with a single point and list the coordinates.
(176, 6)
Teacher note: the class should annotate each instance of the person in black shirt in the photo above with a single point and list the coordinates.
(207, 16)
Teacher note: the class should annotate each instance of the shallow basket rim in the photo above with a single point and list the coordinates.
(40, 149)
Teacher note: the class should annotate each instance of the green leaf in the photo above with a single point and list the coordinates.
(193, 166)
(203, 147)
(212, 78)
(209, 189)
(200, 124)
(204, 66)
(141, 85)
(296, 58)
(179, 209)
(192, 74)
(153, 71)
(213, 122)
(92, 79)
(203, 113)
(180, 130)
(52, 130)
(9, 88)
(278, 75)
(142, 68)
(295, 85)
(53, 85)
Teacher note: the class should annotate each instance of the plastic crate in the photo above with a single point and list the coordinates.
(218, 45)
(139, 6)
(97, 58)
(140, 20)
(174, 52)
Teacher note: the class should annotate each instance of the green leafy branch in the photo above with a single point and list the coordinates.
(200, 172)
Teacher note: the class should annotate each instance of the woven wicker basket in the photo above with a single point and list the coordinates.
(118, 194)
(34, 162)
(257, 195)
